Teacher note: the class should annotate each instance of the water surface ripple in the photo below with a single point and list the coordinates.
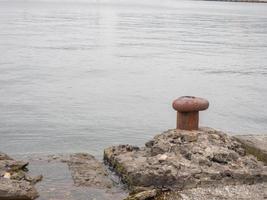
(83, 75)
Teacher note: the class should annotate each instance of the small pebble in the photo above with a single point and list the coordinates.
(7, 175)
(163, 157)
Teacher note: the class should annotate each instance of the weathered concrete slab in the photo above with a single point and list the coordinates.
(88, 171)
(178, 159)
(15, 183)
(16, 190)
(255, 145)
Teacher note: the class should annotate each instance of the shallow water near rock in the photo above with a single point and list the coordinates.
(79, 76)
(58, 183)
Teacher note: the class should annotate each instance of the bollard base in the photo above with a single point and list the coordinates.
(187, 120)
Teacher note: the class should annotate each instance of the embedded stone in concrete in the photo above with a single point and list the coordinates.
(143, 195)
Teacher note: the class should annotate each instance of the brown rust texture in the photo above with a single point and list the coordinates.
(187, 121)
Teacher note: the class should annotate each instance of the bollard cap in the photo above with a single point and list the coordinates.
(190, 104)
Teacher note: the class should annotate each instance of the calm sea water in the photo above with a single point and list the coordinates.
(84, 75)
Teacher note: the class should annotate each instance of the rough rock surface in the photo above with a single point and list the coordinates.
(14, 180)
(229, 192)
(143, 195)
(88, 171)
(178, 159)
(16, 190)
(255, 145)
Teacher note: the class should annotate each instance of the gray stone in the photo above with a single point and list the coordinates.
(178, 159)
(15, 183)
(16, 190)
(143, 195)
(88, 171)
(13, 165)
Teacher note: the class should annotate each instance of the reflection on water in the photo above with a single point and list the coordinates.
(84, 75)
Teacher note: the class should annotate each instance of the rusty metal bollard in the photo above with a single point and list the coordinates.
(187, 108)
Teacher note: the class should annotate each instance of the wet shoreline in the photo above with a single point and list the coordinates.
(58, 182)
(82, 176)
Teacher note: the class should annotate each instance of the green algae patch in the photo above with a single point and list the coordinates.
(118, 167)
